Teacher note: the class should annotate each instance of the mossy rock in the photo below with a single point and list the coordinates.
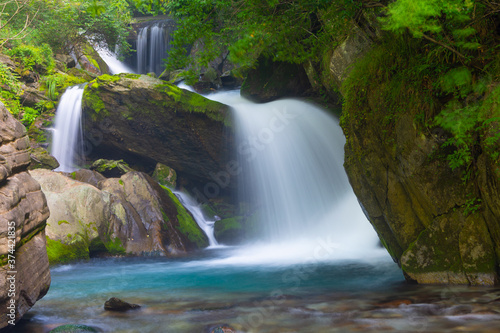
(41, 159)
(230, 231)
(165, 175)
(111, 168)
(187, 225)
(73, 328)
(150, 121)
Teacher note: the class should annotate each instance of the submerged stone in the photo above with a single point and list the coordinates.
(116, 304)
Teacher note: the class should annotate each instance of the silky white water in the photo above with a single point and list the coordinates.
(205, 224)
(291, 158)
(153, 45)
(67, 133)
(115, 66)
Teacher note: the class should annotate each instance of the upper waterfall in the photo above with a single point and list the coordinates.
(153, 45)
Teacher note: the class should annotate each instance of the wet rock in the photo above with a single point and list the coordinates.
(165, 175)
(88, 176)
(110, 168)
(41, 159)
(116, 304)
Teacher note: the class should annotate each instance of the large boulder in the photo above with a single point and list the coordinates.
(144, 121)
(23, 212)
(131, 214)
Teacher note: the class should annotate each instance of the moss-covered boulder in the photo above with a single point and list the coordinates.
(165, 175)
(131, 214)
(229, 231)
(144, 121)
(110, 168)
(41, 159)
(148, 218)
(272, 80)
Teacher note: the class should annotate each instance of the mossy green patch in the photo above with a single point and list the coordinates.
(194, 103)
(187, 225)
(91, 100)
(60, 252)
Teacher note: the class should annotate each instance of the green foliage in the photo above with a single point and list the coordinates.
(9, 80)
(68, 25)
(33, 58)
(472, 205)
(56, 84)
(29, 116)
(283, 30)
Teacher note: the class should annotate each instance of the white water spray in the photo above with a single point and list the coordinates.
(67, 136)
(207, 225)
(291, 155)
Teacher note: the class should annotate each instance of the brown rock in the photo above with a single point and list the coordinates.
(22, 206)
(116, 304)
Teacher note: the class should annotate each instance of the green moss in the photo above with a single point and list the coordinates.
(194, 103)
(115, 247)
(187, 226)
(60, 252)
(108, 78)
(92, 101)
(120, 182)
(93, 62)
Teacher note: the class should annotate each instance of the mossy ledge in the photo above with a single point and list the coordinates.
(142, 116)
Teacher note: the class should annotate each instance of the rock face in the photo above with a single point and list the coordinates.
(132, 213)
(23, 207)
(436, 226)
(274, 80)
(138, 116)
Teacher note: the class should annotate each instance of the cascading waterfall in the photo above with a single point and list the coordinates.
(194, 208)
(115, 66)
(67, 134)
(291, 158)
(153, 45)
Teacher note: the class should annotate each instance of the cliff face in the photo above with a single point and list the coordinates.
(439, 223)
(23, 215)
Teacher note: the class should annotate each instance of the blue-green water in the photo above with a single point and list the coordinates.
(194, 293)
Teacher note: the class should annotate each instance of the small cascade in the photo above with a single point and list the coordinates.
(153, 45)
(67, 138)
(115, 66)
(194, 208)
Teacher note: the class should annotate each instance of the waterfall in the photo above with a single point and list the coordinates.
(291, 158)
(194, 208)
(153, 45)
(115, 65)
(67, 138)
